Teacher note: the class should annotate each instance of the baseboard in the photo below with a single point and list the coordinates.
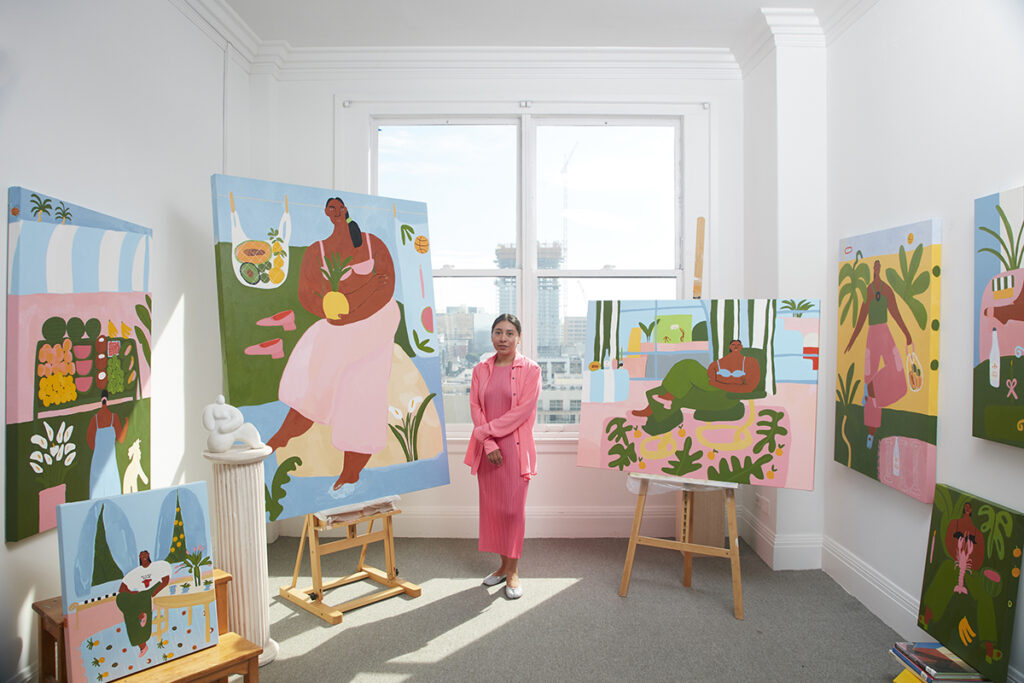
(779, 551)
(593, 521)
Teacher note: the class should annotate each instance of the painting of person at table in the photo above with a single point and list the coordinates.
(135, 598)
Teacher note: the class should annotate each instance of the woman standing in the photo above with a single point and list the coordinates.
(503, 402)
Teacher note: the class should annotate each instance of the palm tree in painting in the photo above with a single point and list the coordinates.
(63, 213)
(40, 207)
(853, 286)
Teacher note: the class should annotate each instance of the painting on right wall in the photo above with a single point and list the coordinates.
(998, 412)
(971, 578)
(888, 356)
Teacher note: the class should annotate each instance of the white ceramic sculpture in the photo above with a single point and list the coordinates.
(227, 426)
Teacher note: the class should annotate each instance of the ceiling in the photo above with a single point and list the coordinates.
(519, 23)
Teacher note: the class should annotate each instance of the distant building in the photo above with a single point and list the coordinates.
(549, 328)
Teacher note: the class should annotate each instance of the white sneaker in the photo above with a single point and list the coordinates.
(493, 579)
(513, 593)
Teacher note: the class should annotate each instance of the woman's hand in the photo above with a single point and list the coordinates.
(495, 457)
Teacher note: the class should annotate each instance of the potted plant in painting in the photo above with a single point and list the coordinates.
(54, 453)
(195, 561)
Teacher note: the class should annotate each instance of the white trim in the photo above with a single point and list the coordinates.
(223, 25)
(284, 62)
(794, 27)
(884, 598)
(779, 551)
(845, 16)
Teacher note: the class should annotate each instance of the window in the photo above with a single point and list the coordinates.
(536, 215)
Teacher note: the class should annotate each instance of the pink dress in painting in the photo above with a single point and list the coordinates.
(502, 487)
(338, 375)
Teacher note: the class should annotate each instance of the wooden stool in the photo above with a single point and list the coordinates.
(53, 664)
(689, 549)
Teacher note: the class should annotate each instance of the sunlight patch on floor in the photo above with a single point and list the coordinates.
(491, 618)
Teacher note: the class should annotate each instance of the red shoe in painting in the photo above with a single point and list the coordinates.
(273, 348)
(286, 319)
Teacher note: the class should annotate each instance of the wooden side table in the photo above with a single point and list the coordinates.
(53, 663)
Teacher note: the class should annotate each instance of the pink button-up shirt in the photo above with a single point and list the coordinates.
(518, 420)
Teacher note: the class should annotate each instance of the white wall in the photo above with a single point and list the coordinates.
(298, 138)
(117, 106)
(924, 116)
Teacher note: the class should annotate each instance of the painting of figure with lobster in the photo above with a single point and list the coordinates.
(972, 577)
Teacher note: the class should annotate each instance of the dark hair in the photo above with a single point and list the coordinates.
(104, 395)
(353, 228)
(509, 318)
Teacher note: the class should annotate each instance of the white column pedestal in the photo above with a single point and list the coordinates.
(240, 512)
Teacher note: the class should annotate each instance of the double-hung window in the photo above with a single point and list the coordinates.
(537, 214)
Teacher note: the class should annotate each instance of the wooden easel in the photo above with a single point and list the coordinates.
(311, 599)
(684, 545)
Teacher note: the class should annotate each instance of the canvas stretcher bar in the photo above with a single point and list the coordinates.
(311, 598)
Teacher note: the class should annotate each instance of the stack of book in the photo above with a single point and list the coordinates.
(931, 662)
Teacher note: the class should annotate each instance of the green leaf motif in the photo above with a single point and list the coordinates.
(732, 469)
(144, 317)
(618, 430)
(626, 454)
(422, 344)
(685, 461)
(769, 430)
(276, 492)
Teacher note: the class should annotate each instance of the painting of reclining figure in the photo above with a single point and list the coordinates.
(719, 390)
(888, 369)
(999, 310)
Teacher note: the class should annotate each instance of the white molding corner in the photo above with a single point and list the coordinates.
(846, 15)
(222, 23)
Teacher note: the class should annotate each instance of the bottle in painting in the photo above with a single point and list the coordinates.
(994, 361)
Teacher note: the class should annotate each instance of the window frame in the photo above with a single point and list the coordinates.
(357, 125)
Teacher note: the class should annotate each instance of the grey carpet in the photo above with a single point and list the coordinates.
(571, 624)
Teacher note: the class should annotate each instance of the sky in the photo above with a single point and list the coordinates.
(608, 188)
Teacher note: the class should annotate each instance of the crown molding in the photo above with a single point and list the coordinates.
(785, 28)
(794, 27)
(284, 62)
(222, 24)
(845, 16)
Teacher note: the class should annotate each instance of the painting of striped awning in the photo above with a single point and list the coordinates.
(70, 259)
(55, 247)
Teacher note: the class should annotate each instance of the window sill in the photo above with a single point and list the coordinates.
(557, 443)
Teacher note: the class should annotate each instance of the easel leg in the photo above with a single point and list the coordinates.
(734, 553)
(298, 556)
(389, 549)
(687, 536)
(314, 559)
(627, 571)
